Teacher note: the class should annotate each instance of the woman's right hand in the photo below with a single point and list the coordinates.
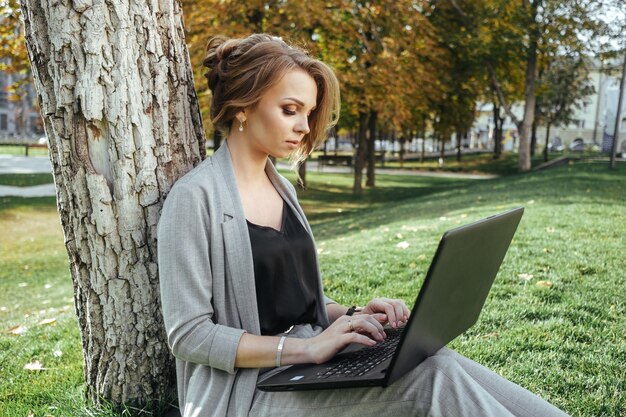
(366, 329)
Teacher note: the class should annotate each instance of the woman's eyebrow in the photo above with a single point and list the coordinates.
(300, 102)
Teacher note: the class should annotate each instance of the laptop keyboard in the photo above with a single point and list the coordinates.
(364, 360)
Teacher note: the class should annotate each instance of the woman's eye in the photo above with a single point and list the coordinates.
(289, 112)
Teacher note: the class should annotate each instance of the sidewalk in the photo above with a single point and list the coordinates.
(10, 164)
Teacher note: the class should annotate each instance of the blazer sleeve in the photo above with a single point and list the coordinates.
(186, 283)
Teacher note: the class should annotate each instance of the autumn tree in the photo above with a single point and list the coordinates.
(116, 91)
(14, 59)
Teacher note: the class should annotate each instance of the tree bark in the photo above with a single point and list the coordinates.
(529, 90)
(361, 152)
(371, 150)
(545, 150)
(121, 114)
(302, 175)
(533, 138)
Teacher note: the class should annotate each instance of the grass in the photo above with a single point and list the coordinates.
(565, 342)
(20, 150)
(25, 180)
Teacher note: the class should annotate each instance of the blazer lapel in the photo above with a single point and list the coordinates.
(238, 252)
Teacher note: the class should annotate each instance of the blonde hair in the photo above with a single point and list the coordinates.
(240, 71)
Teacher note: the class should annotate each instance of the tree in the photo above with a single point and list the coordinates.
(561, 90)
(14, 59)
(121, 114)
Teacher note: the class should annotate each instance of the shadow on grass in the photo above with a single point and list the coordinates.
(334, 212)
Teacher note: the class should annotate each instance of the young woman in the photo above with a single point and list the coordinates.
(240, 281)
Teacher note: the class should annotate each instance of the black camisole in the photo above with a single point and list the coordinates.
(284, 273)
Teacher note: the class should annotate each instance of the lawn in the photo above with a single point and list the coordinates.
(554, 321)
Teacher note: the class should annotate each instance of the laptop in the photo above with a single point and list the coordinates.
(449, 302)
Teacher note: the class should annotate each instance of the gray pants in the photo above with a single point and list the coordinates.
(446, 384)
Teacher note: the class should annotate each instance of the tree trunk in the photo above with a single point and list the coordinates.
(371, 151)
(458, 146)
(533, 138)
(361, 152)
(545, 150)
(121, 114)
(302, 175)
(497, 132)
(529, 90)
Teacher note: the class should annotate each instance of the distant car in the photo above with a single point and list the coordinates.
(555, 145)
(577, 145)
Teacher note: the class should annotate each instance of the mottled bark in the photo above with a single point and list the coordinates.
(524, 163)
(122, 119)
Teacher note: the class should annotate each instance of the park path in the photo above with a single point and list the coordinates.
(11, 164)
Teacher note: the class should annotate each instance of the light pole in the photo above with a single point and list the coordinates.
(618, 116)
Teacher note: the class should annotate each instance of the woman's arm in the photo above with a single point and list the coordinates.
(261, 351)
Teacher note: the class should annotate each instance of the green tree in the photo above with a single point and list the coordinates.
(562, 90)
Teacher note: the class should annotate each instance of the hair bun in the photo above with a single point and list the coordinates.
(218, 50)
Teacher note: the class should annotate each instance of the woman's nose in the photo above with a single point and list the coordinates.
(303, 125)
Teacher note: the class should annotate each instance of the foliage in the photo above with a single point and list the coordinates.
(13, 55)
(562, 89)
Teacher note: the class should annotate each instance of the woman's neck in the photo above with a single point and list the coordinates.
(248, 164)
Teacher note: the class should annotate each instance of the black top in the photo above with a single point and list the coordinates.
(285, 274)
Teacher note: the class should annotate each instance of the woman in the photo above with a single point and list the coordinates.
(240, 283)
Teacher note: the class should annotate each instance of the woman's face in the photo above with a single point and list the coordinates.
(281, 118)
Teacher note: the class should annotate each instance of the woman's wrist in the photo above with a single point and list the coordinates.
(295, 350)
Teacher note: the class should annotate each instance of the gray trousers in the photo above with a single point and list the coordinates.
(446, 384)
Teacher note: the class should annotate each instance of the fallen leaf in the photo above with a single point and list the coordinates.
(548, 250)
(47, 321)
(399, 236)
(550, 229)
(412, 265)
(22, 284)
(47, 286)
(443, 218)
(525, 277)
(546, 284)
(57, 353)
(530, 202)
(18, 330)
(402, 245)
(34, 366)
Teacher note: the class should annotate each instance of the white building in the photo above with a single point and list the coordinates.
(19, 121)
(592, 123)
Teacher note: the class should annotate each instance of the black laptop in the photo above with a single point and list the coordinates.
(449, 302)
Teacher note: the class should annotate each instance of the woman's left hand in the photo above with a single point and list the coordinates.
(396, 311)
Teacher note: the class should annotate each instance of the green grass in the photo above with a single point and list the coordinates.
(25, 180)
(20, 150)
(566, 342)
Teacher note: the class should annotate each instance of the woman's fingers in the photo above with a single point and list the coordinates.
(396, 311)
(368, 325)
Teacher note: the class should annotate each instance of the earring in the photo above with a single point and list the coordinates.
(240, 126)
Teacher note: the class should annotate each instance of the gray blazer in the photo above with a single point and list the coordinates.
(207, 286)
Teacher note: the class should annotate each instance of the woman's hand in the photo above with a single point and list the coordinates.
(366, 329)
(394, 311)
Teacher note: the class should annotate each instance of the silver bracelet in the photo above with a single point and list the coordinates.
(279, 350)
